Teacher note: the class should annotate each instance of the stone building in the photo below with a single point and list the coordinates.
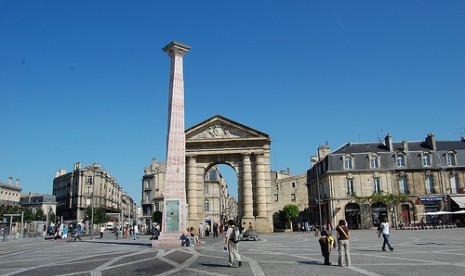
(127, 208)
(84, 186)
(431, 173)
(9, 193)
(287, 190)
(153, 185)
(216, 197)
(45, 202)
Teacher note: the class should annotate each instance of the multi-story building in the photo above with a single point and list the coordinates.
(9, 194)
(153, 185)
(430, 173)
(35, 202)
(216, 197)
(287, 190)
(128, 209)
(83, 187)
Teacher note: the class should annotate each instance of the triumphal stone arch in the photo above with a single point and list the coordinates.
(219, 140)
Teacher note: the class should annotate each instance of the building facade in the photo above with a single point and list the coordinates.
(9, 193)
(430, 173)
(39, 201)
(287, 190)
(83, 187)
(153, 185)
(216, 197)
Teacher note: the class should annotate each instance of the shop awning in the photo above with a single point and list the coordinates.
(438, 213)
(460, 200)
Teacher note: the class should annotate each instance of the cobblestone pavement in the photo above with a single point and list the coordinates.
(416, 252)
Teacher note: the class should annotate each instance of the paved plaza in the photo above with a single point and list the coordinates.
(416, 252)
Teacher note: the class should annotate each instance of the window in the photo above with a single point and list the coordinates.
(293, 184)
(205, 189)
(454, 184)
(147, 197)
(348, 162)
(157, 205)
(350, 187)
(275, 197)
(429, 184)
(207, 205)
(374, 161)
(403, 188)
(450, 159)
(400, 160)
(426, 159)
(377, 185)
(292, 197)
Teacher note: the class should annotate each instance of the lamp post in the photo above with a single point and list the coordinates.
(90, 187)
(318, 187)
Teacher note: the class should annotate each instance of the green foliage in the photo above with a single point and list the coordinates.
(100, 215)
(389, 199)
(39, 215)
(157, 216)
(289, 213)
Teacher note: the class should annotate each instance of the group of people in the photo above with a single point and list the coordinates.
(327, 242)
(67, 233)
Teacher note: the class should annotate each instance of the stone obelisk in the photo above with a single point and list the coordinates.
(175, 206)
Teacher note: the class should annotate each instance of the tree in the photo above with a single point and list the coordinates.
(100, 215)
(289, 213)
(39, 215)
(157, 217)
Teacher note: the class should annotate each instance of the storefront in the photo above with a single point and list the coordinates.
(431, 204)
(457, 203)
(352, 215)
(378, 213)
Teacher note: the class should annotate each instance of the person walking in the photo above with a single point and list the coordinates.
(207, 230)
(201, 230)
(384, 230)
(231, 242)
(136, 231)
(326, 243)
(343, 237)
(215, 230)
(102, 230)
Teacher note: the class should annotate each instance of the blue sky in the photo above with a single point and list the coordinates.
(87, 81)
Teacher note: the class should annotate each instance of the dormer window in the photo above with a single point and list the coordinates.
(374, 161)
(400, 159)
(426, 159)
(348, 162)
(450, 159)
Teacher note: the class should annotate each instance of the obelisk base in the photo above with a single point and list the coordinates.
(167, 240)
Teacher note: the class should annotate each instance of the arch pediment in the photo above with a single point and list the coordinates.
(221, 128)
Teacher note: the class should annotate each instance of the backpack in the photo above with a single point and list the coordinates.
(234, 237)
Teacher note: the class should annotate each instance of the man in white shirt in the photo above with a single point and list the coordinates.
(384, 230)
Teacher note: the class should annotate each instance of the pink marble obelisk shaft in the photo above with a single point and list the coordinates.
(175, 205)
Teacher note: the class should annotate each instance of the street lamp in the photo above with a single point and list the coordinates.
(90, 187)
(318, 187)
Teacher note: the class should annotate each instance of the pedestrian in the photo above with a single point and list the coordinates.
(65, 233)
(343, 237)
(207, 230)
(384, 230)
(201, 230)
(326, 244)
(102, 230)
(231, 243)
(136, 231)
(194, 240)
(185, 238)
(215, 230)
(155, 232)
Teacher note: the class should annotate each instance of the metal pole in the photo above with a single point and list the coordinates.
(92, 215)
(318, 187)
(22, 225)
(46, 219)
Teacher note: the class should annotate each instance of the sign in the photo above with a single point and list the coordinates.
(4, 220)
(431, 198)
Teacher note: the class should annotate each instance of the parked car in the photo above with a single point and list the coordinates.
(110, 226)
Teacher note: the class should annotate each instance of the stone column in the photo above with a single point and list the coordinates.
(175, 211)
(261, 186)
(192, 188)
(247, 195)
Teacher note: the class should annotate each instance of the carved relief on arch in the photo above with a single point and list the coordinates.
(219, 131)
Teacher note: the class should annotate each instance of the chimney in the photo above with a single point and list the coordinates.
(388, 142)
(17, 182)
(323, 151)
(288, 171)
(405, 145)
(10, 180)
(431, 141)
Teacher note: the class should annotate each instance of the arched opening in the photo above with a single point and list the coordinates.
(378, 213)
(352, 213)
(220, 194)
